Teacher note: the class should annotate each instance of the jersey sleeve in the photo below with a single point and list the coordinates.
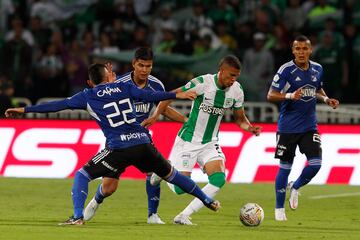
(321, 79)
(150, 96)
(196, 84)
(78, 101)
(239, 100)
(279, 80)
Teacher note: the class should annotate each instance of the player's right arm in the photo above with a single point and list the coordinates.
(77, 101)
(275, 93)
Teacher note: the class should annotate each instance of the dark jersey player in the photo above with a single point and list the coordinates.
(140, 77)
(297, 85)
(128, 143)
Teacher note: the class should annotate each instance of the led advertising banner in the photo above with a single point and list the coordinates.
(57, 148)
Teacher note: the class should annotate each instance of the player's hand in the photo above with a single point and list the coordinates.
(149, 121)
(256, 130)
(14, 112)
(297, 94)
(109, 67)
(186, 95)
(332, 102)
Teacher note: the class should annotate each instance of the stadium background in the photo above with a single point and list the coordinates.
(46, 46)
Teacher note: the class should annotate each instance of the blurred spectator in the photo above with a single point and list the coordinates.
(334, 65)
(244, 36)
(119, 36)
(221, 29)
(18, 63)
(105, 45)
(18, 29)
(258, 68)
(49, 74)
(165, 21)
(168, 41)
(294, 15)
(6, 95)
(261, 22)
(6, 10)
(271, 10)
(197, 20)
(140, 37)
(222, 11)
(330, 26)
(280, 47)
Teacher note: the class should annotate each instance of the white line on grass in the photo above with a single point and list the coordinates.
(336, 195)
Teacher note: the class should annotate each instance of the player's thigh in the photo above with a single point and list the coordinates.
(286, 144)
(152, 161)
(310, 145)
(211, 158)
(104, 164)
(184, 155)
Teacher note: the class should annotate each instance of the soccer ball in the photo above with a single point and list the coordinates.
(251, 214)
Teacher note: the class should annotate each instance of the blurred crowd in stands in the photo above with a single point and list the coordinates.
(46, 46)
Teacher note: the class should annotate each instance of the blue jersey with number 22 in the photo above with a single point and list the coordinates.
(111, 105)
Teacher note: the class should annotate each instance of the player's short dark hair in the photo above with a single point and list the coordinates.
(144, 53)
(97, 72)
(301, 38)
(231, 60)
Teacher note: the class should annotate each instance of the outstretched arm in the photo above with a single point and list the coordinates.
(243, 122)
(162, 108)
(332, 102)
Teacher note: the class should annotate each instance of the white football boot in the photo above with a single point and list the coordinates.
(90, 209)
(294, 196)
(183, 219)
(154, 219)
(280, 214)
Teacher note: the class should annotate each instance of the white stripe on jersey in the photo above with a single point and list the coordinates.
(154, 79)
(286, 65)
(315, 63)
(124, 78)
(92, 113)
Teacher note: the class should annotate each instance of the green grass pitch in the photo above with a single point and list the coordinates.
(31, 208)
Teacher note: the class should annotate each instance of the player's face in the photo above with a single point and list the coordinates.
(142, 68)
(302, 51)
(228, 75)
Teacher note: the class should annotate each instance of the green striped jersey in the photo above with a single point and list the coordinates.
(209, 107)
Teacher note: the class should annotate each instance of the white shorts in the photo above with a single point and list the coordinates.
(184, 154)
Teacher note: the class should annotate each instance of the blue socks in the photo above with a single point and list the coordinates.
(189, 186)
(99, 196)
(281, 182)
(308, 173)
(79, 192)
(153, 195)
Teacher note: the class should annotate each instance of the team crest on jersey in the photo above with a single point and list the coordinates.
(308, 93)
(188, 85)
(228, 102)
(313, 78)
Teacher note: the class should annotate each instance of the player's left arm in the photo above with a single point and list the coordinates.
(332, 102)
(174, 115)
(243, 122)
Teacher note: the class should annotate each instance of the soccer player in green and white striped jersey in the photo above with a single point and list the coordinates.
(197, 140)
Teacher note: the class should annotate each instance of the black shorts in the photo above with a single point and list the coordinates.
(309, 144)
(112, 163)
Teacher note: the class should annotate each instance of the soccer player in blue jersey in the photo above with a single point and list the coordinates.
(141, 78)
(297, 85)
(111, 105)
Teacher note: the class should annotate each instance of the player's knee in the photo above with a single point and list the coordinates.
(217, 179)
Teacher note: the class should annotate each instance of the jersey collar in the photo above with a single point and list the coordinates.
(216, 81)
(132, 79)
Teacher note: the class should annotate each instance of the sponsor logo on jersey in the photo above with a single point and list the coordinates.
(142, 107)
(308, 93)
(297, 79)
(211, 109)
(108, 91)
(313, 78)
(128, 137)
(228, 102)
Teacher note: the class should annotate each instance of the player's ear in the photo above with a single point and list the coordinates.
(133, 63)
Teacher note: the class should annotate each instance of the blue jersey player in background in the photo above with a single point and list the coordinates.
(297, 85)
(141, 78)
(127, 142)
